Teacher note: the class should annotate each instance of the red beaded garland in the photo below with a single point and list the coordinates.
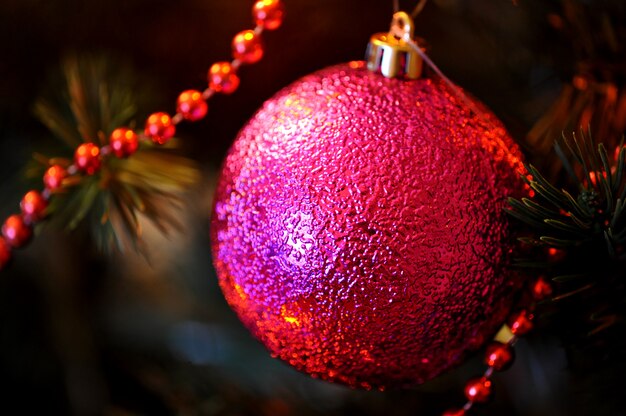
(15, 231)
(247, 47)
(191, 105)
(478, 390)
(268, 13)
(223, 78)
(124, 142)
(499, 356)
(87, 158)
(160, 128)
(53, 178)
(33, 206)
(5, 253)
(521, 323)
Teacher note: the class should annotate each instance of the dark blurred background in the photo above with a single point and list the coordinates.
(86, 333)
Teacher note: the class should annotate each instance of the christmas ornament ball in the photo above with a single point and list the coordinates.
(358, 228)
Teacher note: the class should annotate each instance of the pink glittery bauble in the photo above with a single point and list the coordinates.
(358, 228)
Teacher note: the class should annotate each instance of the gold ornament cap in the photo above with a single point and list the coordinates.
(391, 55)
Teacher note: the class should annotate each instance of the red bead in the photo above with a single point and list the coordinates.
(247, 47)
(478, 390)
(33, 206)
(5, 253)
(15, 231)
(87, 158)
(499, 356)
(556, 254)
(159, 128)
(223, 78)
(541, 289)
(521, 323)
(53, 178)
(124, 142)
(191, 105)
(268, 14)
(454, 412)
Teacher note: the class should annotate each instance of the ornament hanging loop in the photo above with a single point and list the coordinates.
(391, 53)
(402, 26)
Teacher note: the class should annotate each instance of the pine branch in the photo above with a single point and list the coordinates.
(97, 96)
(587, 223)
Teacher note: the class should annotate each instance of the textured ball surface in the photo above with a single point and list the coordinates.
(358, 229)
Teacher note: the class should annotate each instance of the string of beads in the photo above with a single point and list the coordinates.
(160, 127)
(499, 354)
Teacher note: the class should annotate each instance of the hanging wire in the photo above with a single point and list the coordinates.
(417, 10)
(457, 91)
